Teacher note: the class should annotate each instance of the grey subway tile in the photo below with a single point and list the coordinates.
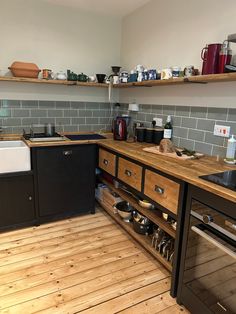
(189, 123)
(47, 120)
(203, 148)
(182, 111)
(47, 104)
(198, 112)
(184, 143)
(232, 115)
(158, 109)
(176, 140)
(92, 105)
(141, 117)
(29, 103)
(78, 105)
(71, 128)
(85, 113)
(104, 120)
(20, 113)
(196, 135)
(146, 108)
(104, 106)
(168, 110)
(175, 120)
(11, 103)
(29, 121)
(180, 132)
(70, 113)
(63, 121)
(9, 122)
(55, 113)
(92, 120)
(78, 121)
(206, 125)
(85, 127)
(38, 113)
(98, 113)
(19, 129)
(217, 113)
(213, 139)
(62, 104)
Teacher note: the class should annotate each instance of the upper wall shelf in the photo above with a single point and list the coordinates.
(200, 79)
(53, 82)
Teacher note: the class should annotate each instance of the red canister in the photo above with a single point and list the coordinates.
(210, 56)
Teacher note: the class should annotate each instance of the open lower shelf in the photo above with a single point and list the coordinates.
(151, 214)
(144, 240)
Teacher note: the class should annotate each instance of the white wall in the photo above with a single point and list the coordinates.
(166, 33)
(58, 38)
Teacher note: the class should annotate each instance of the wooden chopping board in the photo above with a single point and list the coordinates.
(155, 150)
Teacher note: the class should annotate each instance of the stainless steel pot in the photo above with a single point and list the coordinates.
(124, 209)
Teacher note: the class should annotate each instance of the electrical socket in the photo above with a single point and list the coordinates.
(221, 130)
(159, 121)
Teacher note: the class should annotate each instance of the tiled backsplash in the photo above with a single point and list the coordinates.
(16, 115)
(192, 126)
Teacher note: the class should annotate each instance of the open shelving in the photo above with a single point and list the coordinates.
(199, 79)
(151, 214)
(144, 240)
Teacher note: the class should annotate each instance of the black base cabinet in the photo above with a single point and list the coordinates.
(16, 200)
(64, 179)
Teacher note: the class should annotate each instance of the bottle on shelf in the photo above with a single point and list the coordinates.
(168, 129)
(231, 147)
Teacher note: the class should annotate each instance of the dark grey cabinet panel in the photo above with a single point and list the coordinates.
(16, 200)
(65, 179)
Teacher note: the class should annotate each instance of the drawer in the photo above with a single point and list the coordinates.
(130, 173)
(162, 190)
(107, 161)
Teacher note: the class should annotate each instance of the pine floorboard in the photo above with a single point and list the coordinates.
(84, 264)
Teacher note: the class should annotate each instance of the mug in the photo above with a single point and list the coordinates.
(176, 71)
(166, 74)
(47, 74)
(189, 71)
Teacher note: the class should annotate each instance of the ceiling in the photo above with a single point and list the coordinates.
(118, 8)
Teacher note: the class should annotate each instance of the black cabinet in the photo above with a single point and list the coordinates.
(16, 200)
(65, 179)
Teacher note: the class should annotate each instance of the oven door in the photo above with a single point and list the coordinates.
(210, 264)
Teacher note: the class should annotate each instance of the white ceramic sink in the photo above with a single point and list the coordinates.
(14, 156)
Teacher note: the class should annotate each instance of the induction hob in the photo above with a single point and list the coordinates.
(226, 179)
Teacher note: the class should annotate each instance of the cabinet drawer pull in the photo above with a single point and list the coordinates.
(30, 198)
(128, 173)
(105, 161)
(159, 190)
(67, 152)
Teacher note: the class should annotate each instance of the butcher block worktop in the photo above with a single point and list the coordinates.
(186, 170)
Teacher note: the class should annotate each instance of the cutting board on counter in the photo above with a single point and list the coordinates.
(155, 150)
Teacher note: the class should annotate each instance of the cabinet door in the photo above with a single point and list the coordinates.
(66, 179)
(16, 200)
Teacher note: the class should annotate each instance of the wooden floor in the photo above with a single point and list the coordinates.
(85, 264)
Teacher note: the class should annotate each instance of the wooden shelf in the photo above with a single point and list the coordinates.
(53, 82)
(151, 214)
(145, 241)
(200, 79)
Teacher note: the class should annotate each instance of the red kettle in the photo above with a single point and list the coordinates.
(120, 129)
(210, 56)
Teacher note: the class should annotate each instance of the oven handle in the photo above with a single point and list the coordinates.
(213, 241)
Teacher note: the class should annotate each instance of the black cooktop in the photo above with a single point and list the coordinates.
(226, 179)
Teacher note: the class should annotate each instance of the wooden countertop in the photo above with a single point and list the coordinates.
(186, 170)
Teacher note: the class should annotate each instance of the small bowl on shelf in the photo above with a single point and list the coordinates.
(124, 210)
(145, 204)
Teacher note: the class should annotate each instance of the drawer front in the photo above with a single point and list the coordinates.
(162, 190)
(107, 161)
(130, 173)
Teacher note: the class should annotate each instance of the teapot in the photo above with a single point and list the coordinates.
(83, 77)
(61, 75)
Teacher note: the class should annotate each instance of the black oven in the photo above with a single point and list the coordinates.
(208, 262)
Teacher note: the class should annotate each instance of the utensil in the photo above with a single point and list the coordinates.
(24, 69)
(124, 209)
(61, 76)
(82, 77)
(47, 74)
(49, 129)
